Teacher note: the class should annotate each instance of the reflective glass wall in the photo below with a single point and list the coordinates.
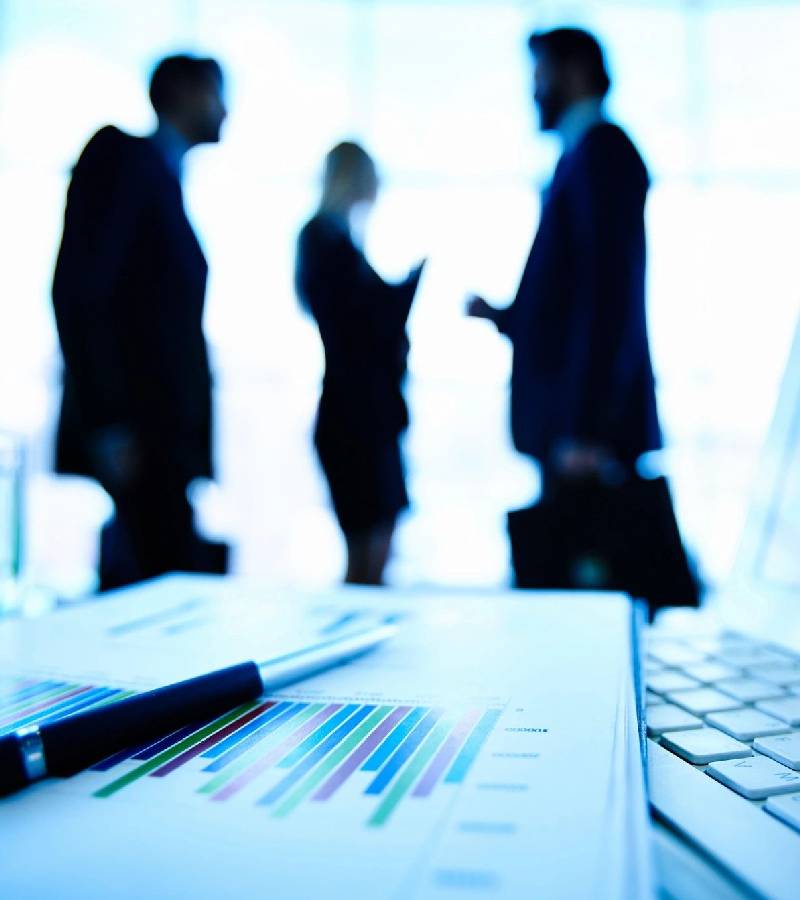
(439, 92)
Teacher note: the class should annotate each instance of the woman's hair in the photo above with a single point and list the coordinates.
(349, 176)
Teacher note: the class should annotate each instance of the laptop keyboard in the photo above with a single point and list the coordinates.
(730, 706)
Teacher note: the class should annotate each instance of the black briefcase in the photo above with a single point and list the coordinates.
(587, 535)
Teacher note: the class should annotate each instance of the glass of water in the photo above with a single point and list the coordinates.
(11, 465)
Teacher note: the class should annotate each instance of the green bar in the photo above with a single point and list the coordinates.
(6, 711)
(171, 752)
(331, 761)
(258, 750)
(55, 692)
(417, 764)
(115, 699)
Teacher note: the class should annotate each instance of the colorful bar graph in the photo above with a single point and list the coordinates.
(304, 752)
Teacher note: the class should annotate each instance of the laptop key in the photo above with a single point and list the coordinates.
(745, 657)
(704, 745)
(702, 701)
(707, 645)
(669, 718)
(755, 777)
(746, 724)
(674, 654)
(653, 699)
(784, 748)
(651, 666)
(787, 809)
(710, 672)
(776, 674)
(787, 709)
(663, 682)
(749, 690)
(785, 652)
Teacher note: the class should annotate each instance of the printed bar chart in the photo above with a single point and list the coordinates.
(308, 752)
(26, 702)
(279, 754)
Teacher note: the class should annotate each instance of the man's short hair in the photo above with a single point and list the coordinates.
(174, 73)
(574, 46)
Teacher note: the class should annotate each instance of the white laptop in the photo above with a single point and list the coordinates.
(723, 701)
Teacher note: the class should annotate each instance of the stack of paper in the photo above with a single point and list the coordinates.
(491, 749)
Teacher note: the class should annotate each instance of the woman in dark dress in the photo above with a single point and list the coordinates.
(362, 323)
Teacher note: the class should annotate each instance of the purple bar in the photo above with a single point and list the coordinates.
(110, 761)
(447, 751)
(170, 740)
(212, 739)
(30, 690)
(148, 749)
(43, 706)
(338, 778)
(286, 746)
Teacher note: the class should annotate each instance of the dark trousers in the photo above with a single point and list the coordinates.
(152, 533)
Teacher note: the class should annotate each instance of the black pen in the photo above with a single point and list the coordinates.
(75, 742)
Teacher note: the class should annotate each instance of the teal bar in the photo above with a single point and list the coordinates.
(465, 759)
(318, 736)
(394, 739)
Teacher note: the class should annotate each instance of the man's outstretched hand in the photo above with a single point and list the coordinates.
(478, 308)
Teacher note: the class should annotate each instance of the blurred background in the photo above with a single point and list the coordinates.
(439, 92)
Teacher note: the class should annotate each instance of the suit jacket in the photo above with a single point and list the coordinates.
(128, 293)
(362, 321)
(581, 364)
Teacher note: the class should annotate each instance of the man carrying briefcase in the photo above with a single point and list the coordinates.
(582, 388)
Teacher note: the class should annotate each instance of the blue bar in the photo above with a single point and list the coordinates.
(166, 742)
(33, 691)
(252, 725)
(403, 752)
(314, 757)
(469, 751)
(58, 710)
(315, 737)
(241, 746)
(383, 751)
(110, 761)
(148, 749)
(85, 700)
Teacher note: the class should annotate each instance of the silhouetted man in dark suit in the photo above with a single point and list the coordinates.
(128, 293)
(582, 389)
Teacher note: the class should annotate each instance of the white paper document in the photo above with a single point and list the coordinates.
(490, 750)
